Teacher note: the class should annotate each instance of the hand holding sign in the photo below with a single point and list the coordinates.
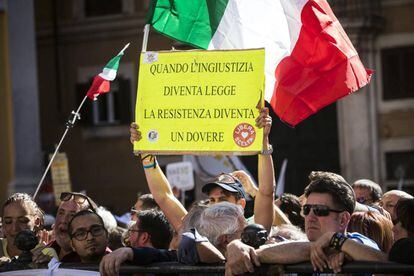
(265, 121)
(135, 134)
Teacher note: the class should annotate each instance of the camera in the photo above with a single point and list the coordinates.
(254, 235)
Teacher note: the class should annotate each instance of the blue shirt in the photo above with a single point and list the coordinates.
(362, 239)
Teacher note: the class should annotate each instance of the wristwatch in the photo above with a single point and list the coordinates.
(267, 151)
(337, 240)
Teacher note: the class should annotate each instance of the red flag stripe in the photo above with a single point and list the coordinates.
(322, 68)
(99, 86)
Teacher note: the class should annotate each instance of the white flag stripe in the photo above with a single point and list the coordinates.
(108, 74)
(273, 24)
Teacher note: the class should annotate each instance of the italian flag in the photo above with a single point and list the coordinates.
(310, 61)
(101, 82)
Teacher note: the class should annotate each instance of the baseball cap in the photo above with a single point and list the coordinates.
(226, 182)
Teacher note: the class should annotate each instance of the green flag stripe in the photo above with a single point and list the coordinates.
(193, 22)
(114, 63)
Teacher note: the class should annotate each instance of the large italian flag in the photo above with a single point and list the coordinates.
(310, 61)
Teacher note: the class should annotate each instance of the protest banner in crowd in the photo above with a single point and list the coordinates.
(200, 102)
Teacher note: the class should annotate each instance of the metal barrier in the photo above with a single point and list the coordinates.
(264, 269)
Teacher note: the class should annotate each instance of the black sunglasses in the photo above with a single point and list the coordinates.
(318, 209)
(78, 198)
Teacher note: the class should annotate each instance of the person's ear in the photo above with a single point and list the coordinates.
(144, 238)
(71, 245)
(242, 202)
(345, 217)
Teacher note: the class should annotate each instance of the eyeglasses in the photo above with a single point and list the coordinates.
(130, 231)
(82, 234)
(318, 210)
(134, 231)
(77, 197)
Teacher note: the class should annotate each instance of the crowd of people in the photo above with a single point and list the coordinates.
(333, 222)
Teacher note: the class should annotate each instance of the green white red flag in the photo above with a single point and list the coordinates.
(101, 82)
(310, 61)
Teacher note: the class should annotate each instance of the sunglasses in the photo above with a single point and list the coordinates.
(227, 178)
(318, 210)
(78, 198)
(82, 234)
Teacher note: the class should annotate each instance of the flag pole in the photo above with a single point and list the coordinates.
(145, 38)
(280, 184)
(69, 124)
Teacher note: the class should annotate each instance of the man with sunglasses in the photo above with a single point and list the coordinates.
(70, 204)
(330, 201)
(88, 236)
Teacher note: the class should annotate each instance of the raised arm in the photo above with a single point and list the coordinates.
(263, 203)
(280, 217)
(250, 188)
(159, 186)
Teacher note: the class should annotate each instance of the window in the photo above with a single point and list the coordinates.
(397, 72)
(102, 7)
(113, 108)
(399, 164)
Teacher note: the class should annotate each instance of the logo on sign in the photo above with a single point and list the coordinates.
(244, 135)
(152, 136)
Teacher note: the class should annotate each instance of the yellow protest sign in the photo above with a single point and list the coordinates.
(200, 102)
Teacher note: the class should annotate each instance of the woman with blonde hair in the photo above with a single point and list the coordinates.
(375, 226)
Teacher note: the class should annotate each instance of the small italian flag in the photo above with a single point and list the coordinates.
(101, 82)
(310, 61)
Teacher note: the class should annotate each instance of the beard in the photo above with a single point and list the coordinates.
(94, 253)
